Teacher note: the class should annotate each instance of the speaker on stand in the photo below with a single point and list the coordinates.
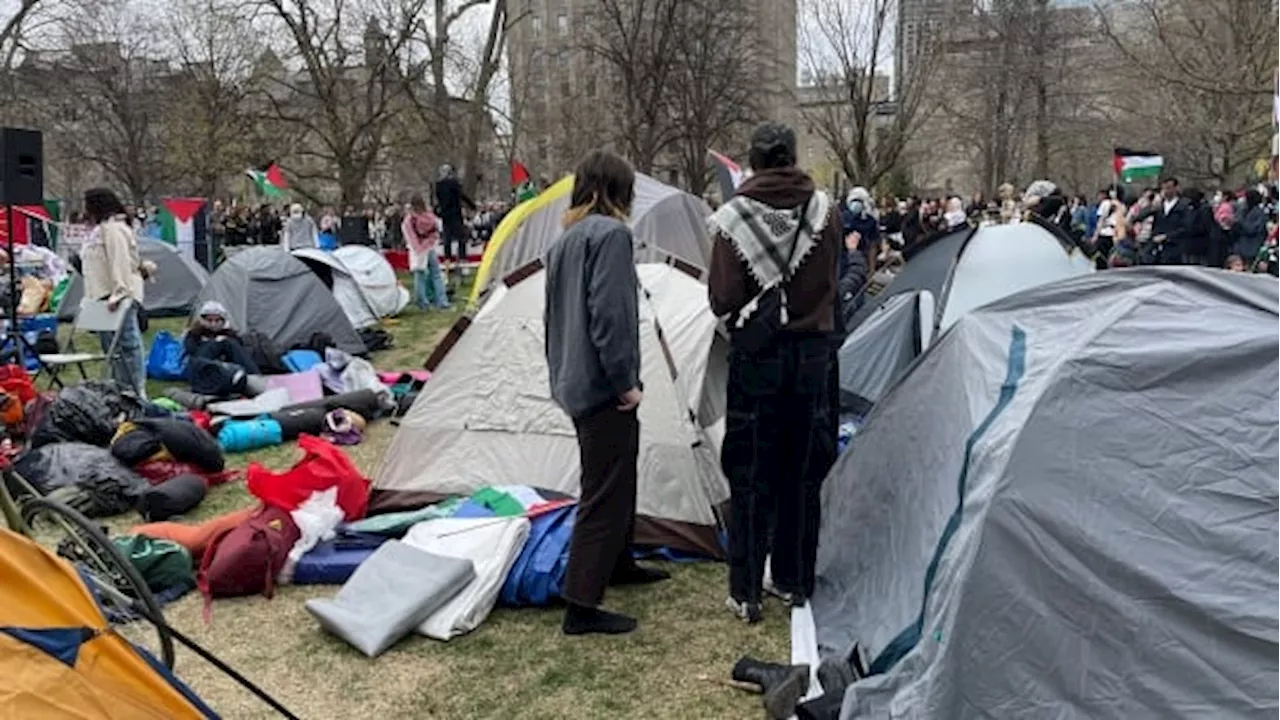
(21, 183)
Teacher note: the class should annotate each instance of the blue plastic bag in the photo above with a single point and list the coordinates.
(168, 359)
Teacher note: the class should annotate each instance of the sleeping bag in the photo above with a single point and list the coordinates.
(172, 497)
(195, 537)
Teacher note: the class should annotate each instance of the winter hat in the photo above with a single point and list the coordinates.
(1037, 190)
(213, 307)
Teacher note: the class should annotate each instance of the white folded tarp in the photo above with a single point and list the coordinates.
(389, 594)
(491, 545)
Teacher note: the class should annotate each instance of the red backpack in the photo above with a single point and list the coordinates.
(245, 559)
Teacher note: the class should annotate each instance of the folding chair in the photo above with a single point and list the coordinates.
(93, 316)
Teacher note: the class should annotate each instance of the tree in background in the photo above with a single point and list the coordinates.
(211, 131)
(337, 111)
(847, 51)
(713, 91)
(1198, 79)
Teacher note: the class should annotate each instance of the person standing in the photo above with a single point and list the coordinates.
(1251, 230)
(1197, 240)
(300, 230)
(778, 231)
(354, 229)
(1170, 215)
(593, 354)
(450, 199)
(421, 231)
(113, 271)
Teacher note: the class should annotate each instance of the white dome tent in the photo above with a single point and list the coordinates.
(376, 278)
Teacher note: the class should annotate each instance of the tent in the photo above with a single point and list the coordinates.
(666, 221)
(58, 655)
(268, 290)
(487, 417)
(942, 281)
(337, 277)
(1070, 504)
(178, 282)
(376, 278)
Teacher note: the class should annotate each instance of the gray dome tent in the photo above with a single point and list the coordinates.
(942, 282)
(268, 290)
(1067, 509)
(178, 282)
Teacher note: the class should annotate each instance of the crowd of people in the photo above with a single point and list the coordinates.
(1168, 225)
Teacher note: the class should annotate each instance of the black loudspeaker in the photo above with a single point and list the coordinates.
(21, 167)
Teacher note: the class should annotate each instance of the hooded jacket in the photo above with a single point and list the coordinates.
(811, 291)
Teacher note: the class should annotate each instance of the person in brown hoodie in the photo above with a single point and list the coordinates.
(780, 437)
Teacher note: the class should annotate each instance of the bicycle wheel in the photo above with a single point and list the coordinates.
(126, 599)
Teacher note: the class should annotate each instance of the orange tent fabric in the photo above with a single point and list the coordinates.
(195, 538)
(59, 657)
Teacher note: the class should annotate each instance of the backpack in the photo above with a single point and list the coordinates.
(246, 559)
(164, 564)
(264, 352)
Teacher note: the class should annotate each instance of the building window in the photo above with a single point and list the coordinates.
(591, 86)
(536, 25)
(563, 61)
(562, 24)
(564, 88)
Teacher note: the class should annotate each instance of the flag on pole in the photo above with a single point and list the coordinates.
(1133, 165)
(177, 223)
(270, 180)
(729, 174)
(522, 183)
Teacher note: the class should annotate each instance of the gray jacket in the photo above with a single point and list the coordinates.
(300, 233)
(592, 316)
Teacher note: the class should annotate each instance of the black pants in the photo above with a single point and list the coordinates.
(608, 446)
(227, 350)
(780, 441)
(454, 241)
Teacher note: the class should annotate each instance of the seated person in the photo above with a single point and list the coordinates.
(211, 337)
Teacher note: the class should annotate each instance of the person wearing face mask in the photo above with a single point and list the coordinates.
(300, 230)
(858, 218)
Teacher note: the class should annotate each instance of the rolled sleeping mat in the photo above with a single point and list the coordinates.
(365, 402)
(295, 421)
(187, 399)
(249, 435)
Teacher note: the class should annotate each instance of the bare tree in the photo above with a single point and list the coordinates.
(111, 111)
(637, 41)
(1201, 74)
(209, 138)
(339, 108)
(713, 93)
(847, 50)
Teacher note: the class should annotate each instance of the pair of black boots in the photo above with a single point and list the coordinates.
(783, 686)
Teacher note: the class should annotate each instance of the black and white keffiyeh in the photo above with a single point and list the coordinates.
(762, 234)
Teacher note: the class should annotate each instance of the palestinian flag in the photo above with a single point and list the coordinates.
(1133, 165)
(729, 173)
(270, 180)
(178, 223)
(523, 185)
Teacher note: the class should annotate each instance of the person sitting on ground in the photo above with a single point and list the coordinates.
(211, 337)
(1235, 263)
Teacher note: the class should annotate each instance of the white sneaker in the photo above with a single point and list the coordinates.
(750, 613)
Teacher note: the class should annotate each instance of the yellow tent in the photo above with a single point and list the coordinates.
(59, 658)
(508, 227)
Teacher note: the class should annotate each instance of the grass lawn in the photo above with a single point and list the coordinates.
(516, 665)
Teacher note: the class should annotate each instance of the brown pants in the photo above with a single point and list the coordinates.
(608, 446)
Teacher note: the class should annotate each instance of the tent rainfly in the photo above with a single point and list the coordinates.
(376, 278)
(1068, 507)
(666, 221)
(268, 290)
(342, 283)
(177, 283)
(943, 281)
(487, 417)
